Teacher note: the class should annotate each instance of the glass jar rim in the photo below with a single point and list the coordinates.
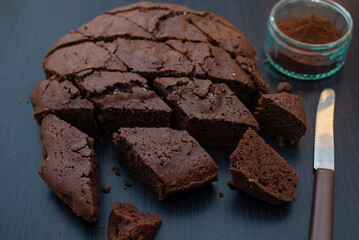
(337, 7)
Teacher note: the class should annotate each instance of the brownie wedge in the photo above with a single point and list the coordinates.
(282, 115)
(210, 112)
(167, 160)
(124, 100)
(69, 167)
(127, 222)
(260, 171)
(59, 96)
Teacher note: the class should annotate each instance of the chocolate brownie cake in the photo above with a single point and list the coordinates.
(157, 40)
(123, 99)
(69, 167)
(282, 115)
(126, 222)
(261, 172)
(211, 113)
(60, 97)
(167, 160)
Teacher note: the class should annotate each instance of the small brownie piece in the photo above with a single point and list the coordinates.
(284, 87)
(282, 115)
(211, 113)
(69, 167)
(126, 222)
(124, 100)
(60, 97)
(261, 172)
(167, 160)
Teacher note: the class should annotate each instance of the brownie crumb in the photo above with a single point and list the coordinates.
(265, 61)
(59, 233)
(106, 190)
(125, 188)
(128, 184)
(117, 170)
(101, 226)
(143, 191)
(221, 194)
(284, 87)
(19, 101)
(27, 101)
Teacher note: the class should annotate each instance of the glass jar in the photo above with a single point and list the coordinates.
(303, 60)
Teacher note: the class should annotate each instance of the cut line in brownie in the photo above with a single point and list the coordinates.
(210, 112)
(60, 97)
(260, 171)
(69, 167)
(124, 100)
(167, 160)
(282, 115)
(156, 39)
(126, 222)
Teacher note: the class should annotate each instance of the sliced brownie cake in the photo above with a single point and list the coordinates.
(282, 115)
(161, 40)
(211, 113)
(167, 160)
(260, 171)
(60, 97)
(126, 222)
(70, 167)
(124, 100)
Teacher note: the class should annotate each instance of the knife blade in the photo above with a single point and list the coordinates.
(322, 215)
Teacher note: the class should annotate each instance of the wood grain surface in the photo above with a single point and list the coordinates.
(28, 209)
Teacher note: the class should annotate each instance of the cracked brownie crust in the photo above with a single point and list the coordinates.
(210, 112)
(70, 167)
(160, 40)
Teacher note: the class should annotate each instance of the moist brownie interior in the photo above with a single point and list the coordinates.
(261, 172)
(167, 160)
(282, 115)
(70, 167)
(211, 113)
(127, 222)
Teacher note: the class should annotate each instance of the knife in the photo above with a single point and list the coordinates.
(322, 216)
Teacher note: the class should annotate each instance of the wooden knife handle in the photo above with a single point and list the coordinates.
(322, 217)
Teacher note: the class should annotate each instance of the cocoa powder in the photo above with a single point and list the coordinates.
(313, 29)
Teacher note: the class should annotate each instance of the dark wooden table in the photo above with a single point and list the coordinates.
(28, 209)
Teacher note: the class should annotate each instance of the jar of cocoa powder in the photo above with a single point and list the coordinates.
(308, 39)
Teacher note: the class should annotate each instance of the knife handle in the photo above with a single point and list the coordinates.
(322, 217)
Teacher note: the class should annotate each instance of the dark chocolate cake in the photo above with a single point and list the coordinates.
(210, 112)
(127, 222)
(260, 171)
(167, 160)
(69, 167)
(282, 115)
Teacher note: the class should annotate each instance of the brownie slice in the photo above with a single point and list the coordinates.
(69, 167)
(124, 100)
(211, 113)
(60, 97)
(282, 115)
(167, 160)
(126, 222)
(260, 171)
